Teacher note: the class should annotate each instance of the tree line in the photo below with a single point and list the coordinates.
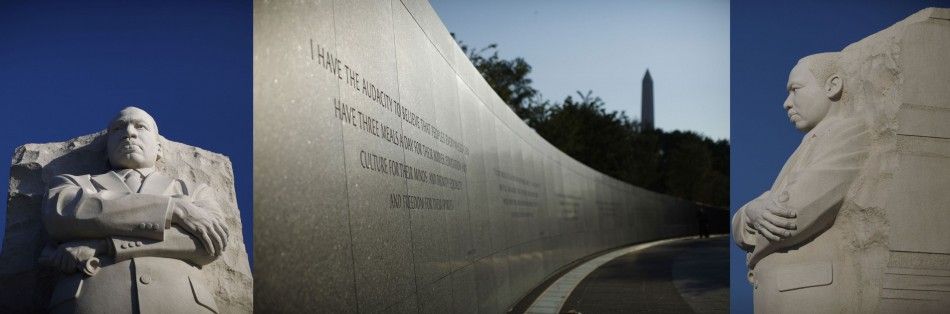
(684, 164)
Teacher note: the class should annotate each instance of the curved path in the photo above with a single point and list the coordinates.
(685, 275)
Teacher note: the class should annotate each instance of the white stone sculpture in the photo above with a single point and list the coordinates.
(146, 235)
(857, 220)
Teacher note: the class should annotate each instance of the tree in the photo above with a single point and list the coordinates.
(509, 79)
(608, 142)
(682, 164)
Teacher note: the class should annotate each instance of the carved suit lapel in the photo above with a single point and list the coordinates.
(110, 181)
(155, 183)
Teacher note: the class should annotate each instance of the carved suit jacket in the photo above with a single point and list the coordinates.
(813, 184)
(157, 260)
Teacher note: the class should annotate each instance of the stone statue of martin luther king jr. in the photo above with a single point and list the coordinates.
(131, 240)
(796, 260)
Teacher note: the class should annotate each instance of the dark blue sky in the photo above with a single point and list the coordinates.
(768, 38)
(66, 68)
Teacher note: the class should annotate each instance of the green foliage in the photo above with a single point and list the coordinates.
(604, 141)
(508, 78)
(695, 168)
(682, 164)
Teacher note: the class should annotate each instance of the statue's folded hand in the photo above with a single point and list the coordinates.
(772, 222)
(204, 225)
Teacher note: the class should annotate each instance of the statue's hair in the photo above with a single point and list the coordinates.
(822, 65)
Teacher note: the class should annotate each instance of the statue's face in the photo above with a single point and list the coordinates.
(133, 140)
(807, 103)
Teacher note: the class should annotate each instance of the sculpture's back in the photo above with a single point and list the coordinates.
(27, 286)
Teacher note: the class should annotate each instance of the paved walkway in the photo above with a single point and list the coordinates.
(671, 276)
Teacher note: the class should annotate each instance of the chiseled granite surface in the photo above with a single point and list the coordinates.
(389, 177)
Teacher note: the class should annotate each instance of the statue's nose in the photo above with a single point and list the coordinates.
(130, 131)
(788, 103)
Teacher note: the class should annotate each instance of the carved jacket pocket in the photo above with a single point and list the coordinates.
(202, 296)
(798, 276)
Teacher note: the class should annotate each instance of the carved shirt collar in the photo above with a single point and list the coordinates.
(142, 171)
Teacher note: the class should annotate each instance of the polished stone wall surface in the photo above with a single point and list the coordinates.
(389, 177)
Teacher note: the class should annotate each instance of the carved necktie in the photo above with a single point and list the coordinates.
(134, 180)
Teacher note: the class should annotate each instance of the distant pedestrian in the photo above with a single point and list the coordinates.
(703, 221)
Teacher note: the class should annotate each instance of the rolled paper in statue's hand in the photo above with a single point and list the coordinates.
(90, 267)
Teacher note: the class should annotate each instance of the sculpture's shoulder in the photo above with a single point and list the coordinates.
(844, 127)
(97, 177)
(70, 178)
(849, 134)
(849, 123)
(183, 185)
(64, 180)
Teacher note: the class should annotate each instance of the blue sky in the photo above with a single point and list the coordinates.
(606, 46)
(768, 38)
(67, 68)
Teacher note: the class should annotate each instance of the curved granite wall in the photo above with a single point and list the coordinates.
(389, 177)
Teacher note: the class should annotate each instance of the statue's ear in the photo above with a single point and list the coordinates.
(833, 87)
(161, 151)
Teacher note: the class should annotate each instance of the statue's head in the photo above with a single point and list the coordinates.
(133, 140)
(814, 88)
